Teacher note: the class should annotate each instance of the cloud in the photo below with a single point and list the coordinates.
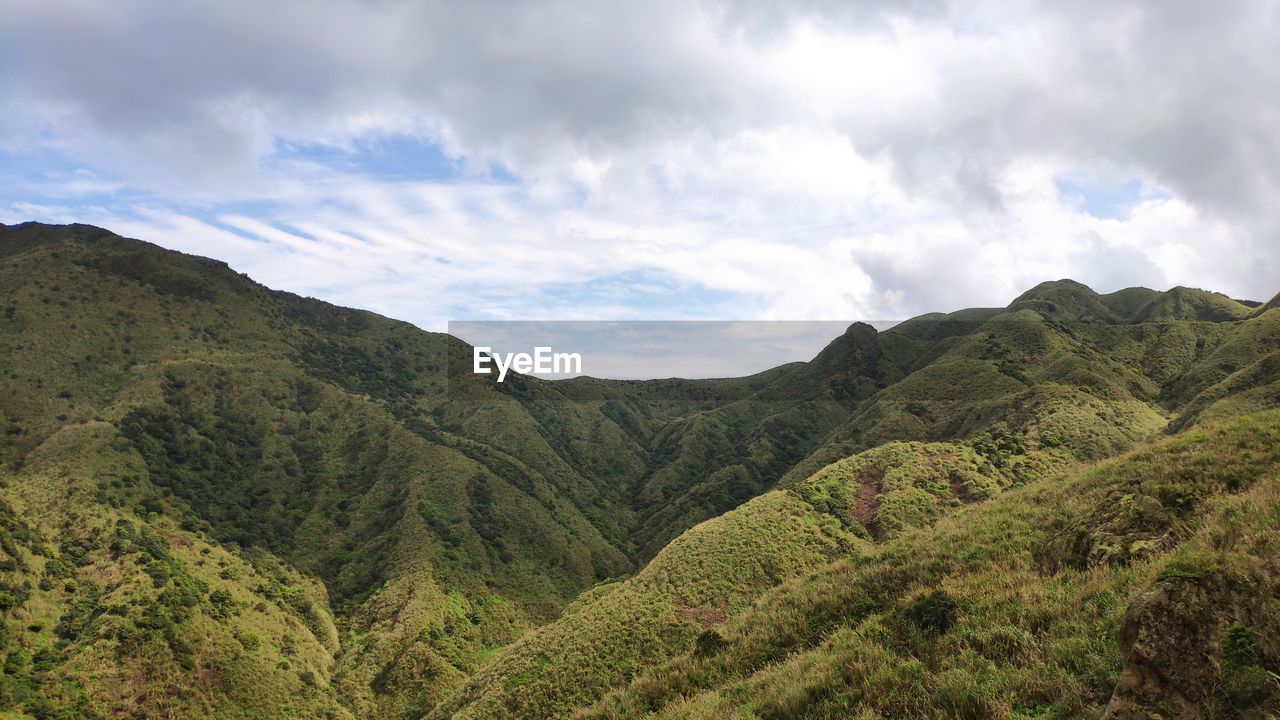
(760, 159)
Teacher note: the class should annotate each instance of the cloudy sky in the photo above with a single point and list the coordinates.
(658, 160)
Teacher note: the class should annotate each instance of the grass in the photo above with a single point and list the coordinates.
(1023, 641)
(707, 574)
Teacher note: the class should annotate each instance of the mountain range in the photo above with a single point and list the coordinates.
(220, 500)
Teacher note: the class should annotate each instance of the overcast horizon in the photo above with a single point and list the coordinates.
(679, 161)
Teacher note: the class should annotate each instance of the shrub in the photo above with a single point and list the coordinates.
(249, 640)
(933, 613)
(1240, 647)
(709, 643)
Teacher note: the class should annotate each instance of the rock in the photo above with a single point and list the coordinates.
(1172, 645)
(1123, 529)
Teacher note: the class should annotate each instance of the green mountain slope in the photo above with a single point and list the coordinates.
(713, 572)
(286, 427)
(217, 500)
(1012, 607)
(1270, 305)
(1146, 584)
(315, 436)
(710, 462)
(1034, 398)
(1059, 366)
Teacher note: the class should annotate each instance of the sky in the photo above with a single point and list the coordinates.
(664, 160)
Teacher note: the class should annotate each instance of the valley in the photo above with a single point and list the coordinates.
(220, 500)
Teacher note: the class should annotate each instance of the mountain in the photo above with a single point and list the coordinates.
(218, 500)
(1141, 587)
(247, 431)
(1014, 408)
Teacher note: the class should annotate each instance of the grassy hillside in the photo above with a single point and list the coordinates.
(312, 436)
(702, 577)
(1035, 397)
(217, 500)
(164, 622)
(1143, 585)
(713, 572)
(1061, 368)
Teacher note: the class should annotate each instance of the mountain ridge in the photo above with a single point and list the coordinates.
(202, 475)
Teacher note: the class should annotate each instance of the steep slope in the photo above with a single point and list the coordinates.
(1271, 304)
(1035, 392)
(441, 516)
(715, 571)
(1059, 367)
(96, 584)
(710, 462)
(1145, 585)
(705, 574)
(1241, 375)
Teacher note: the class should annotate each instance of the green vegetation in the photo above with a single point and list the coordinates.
(221, 501)
(964, 619)
(704, 576)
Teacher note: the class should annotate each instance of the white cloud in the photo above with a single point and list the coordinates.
(811, 161)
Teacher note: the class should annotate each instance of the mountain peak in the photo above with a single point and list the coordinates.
(15, 239)
(1065, 299)
(1184, 303)
(1071, 300)
(1050, 287)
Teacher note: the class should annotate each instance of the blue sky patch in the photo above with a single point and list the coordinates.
(387, 156)
(1103, 197)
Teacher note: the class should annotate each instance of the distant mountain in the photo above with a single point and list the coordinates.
(217, 500)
